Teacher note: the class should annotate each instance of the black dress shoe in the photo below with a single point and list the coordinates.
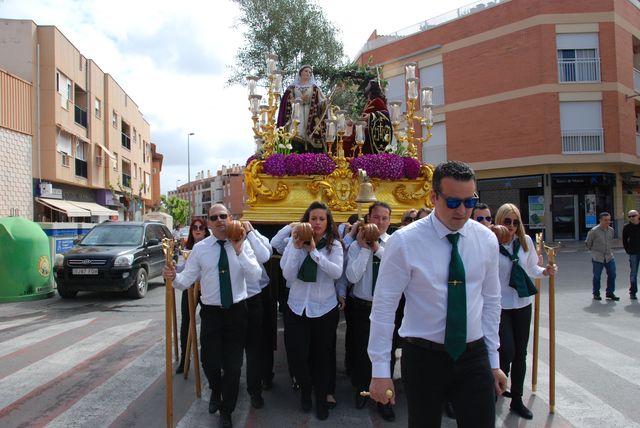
(597, 297)
(305, 400)
(386, 411)
(322, 411)
(256, 401)
(449, 411)
(633, 296)
(522, 411)
(361, 401)
(225, 420)
(611, 296)
(214, 404)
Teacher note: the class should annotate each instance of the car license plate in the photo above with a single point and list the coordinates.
(84, 271)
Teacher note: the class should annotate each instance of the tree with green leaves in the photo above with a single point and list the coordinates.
(296, 30)
(176, 208)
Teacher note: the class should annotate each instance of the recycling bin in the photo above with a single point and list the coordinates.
(25, 261)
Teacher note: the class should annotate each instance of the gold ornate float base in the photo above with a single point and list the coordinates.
(273, 199)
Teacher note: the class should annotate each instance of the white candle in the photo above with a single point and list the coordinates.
(360, 132)
(410, 70)
(426, 94)
(412, 89)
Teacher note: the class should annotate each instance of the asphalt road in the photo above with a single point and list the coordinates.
(98, 360)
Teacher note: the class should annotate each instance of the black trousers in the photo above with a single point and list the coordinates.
(252, 347)
(222, 336)
(430, 377)
(310, 346)
(515, 325)
(348, 334)
(184, 322)
(269, 327)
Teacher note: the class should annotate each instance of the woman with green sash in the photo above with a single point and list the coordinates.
(311, 268)
(517, 261)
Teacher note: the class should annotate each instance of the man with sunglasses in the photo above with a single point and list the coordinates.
(482, 214)
(599, 242)
(223, 267)
(631, 242)
(446, 267)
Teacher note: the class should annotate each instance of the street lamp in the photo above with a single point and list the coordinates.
(177, 181)
(189, 170)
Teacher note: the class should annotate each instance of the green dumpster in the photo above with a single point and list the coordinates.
(25, 261)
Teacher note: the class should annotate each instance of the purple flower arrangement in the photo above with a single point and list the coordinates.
(386, 166)
(251, 158)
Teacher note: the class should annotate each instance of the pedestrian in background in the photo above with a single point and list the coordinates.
(599, 242)
(631, 242)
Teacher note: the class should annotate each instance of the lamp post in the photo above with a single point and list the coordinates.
(189, 170)
(177, 181)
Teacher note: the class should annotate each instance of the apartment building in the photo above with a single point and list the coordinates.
(225, 187)
(92, 159)
(541, 97)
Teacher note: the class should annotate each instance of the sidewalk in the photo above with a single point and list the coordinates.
(574, 246)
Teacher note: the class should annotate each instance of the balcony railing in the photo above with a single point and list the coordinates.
(126, 180)
(80, 116)
(582, 141)
(636, 79)
(126, 141)
(579, 70)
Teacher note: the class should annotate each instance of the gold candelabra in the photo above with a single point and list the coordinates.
(263, 114)
(408, 134)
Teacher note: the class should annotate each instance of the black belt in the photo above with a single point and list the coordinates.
(241, 302)
(427, 344)
(362, 302)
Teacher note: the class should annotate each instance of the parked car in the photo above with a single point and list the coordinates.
(184, 235)
(113, 256)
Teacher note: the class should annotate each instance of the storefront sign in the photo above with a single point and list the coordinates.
(536, 212)
(590, 211)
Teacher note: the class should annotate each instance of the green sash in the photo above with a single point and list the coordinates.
(519, 278)
(309, 270)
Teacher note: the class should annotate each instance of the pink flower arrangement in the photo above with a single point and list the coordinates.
(386, 166)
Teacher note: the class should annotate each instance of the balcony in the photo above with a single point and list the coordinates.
(126, 180)
(80, 116)
(126, 141)
(636, 80)
(573, 70)
(582, 141)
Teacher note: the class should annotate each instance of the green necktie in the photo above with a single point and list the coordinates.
(455, 338)
(309, 269)
(519, 278)
(226, 295)
(375, 268)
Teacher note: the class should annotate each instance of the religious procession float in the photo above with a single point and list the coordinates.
(309, 149)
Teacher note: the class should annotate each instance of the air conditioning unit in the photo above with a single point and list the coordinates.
(46, 188)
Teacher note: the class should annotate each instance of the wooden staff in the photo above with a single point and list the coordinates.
(536, 319)
(167, 248)
(192, 338)
(174, 320)
(551, 259)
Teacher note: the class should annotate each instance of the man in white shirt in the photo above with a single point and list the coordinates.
(437, 362)
(363, 262)
(223, 308)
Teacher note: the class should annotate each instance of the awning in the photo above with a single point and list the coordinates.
(104, 149)
(95, 209)
(65, 207)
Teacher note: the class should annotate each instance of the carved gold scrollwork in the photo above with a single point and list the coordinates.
(340, 189)
(255, 186)
(403, 195)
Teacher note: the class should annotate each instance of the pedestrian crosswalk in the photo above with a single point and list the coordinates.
(44, 354)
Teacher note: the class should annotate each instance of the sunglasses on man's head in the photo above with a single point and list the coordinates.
(199, 227)
(453, 203)
(481, 218)
(508, 222)
(214, 217)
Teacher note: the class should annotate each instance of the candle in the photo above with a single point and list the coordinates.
(395, 110)
(271, 60)
(360, 132)
(410, 70)
(254, 104)
(277, 82)
(297, 110)
(412, 89)
(428, 116)
(252, 82)
(331, 131)
(341, 120)
(426, 95)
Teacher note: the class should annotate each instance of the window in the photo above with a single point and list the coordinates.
(114, 119)
(115, 161)
(578, 57)
(395, 90)
(432, 76)
(581, 127)
(435, 150)
(98, 108)
(63, 86)
(81, 162)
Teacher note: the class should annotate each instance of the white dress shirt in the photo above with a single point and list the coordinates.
(281, 239)
(529, 262)
(262, 249)
(313, 298)
(360, 268)
(416, 263)
(202, 264)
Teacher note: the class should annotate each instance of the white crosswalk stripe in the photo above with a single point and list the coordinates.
(10, 324)
(101, 406)
(10, 346)
(20, 383)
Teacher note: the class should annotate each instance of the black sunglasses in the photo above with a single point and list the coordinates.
(199, 227)
(633, 215)
(453, 203)
(508, 221)
(214, 217)
(480, 218)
